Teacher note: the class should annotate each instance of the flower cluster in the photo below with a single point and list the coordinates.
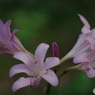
(33, 65)
(84, 50)
(87, 56)
(37, 66)
(9, 43)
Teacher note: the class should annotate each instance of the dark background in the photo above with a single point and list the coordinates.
(46, 21)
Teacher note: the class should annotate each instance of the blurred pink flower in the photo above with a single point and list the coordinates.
(85, 41)
(9, 43)
(35, 67)
(87, 63)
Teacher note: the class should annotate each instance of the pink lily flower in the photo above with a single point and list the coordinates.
(85, 41)
(87, 63)
(8, 42)
(35, 67)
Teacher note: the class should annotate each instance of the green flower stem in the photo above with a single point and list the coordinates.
(67, 70)
(48, 89)
(62, 74)
(29, 53)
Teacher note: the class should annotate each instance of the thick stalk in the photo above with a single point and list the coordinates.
(65, 71)
(48, 89)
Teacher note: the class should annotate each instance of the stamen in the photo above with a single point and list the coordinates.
(34, 81)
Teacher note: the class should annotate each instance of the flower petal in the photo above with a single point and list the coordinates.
(25, 57)
(3, 32)
(3, 52)
(82, 66)
(93, 64)
(51, 62)
(51, 77)
(85, 22)
(7, 27)
(16, 43)
(41, 52)
(85, 30)
(79, 46)
(82, 57)
(8, 23)
(9, 44)
(15, 31)
(21, 82)
(90, 72)
(92, 42)
(93, 33)
(2, 27)
(19, 69)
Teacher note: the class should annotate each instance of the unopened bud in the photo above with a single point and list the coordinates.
(55, 49)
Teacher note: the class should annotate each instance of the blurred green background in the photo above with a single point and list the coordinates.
(47, 21)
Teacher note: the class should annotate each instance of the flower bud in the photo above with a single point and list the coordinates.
(55, 49)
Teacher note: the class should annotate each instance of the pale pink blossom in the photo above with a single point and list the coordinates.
(87, 63)
(35, 67)
(9, 43)
(85, 41)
